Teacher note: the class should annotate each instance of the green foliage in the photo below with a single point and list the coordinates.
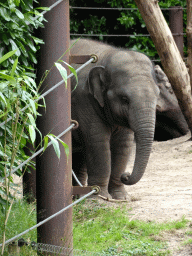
(122, 22)
(18, 19)
(16, 92)
(18, 48)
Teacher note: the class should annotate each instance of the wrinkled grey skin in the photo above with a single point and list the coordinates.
(170, 122)
(114, 101)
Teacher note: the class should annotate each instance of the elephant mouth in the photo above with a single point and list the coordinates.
(167, 128)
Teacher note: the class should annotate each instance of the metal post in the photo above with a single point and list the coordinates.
(176, 26)
(54, 182)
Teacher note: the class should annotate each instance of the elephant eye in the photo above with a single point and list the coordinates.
(124, 100)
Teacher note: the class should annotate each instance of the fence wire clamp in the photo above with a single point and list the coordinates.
(75, 123)
(97, 189)
(95, 58)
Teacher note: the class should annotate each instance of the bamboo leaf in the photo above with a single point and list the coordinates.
(3, 98)
(37, 40)
(7, 55)
(4, 14)
(14, 47)
(55, 145)
(19, 14)
(8, 78)
(73, 71)
(32, 120)
(33, 106)
(44, 8)
(46, 139)
(63, 72)
(66, 147)
(32, 133)
(39, 133)
(14, 67)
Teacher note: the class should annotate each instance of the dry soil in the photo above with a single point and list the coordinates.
(165, 191)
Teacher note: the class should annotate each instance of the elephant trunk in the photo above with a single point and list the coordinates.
(144, 136)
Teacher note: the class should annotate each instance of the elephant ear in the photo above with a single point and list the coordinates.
(162, 78)
(96, 83)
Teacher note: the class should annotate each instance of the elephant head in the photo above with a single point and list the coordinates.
(126, 92)
(170, 122)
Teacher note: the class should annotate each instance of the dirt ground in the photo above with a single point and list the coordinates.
(165, 191)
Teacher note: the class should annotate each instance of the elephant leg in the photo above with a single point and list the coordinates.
(98, 157)
(121, 145)
(79, 168)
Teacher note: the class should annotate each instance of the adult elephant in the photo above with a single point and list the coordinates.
(114, 101)
(170, 122)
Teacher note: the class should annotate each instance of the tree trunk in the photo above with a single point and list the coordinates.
(189, 37)
(171, 60)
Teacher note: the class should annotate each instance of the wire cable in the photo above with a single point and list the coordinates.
(50, 90)
(77, 179)
(49, 218)
(120, 8)
(39, 151)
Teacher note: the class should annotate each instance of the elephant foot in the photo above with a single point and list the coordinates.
(103, 193)
(119, 193)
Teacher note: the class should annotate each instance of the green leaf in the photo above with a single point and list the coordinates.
(29, 18)
(37, 40)
(73, 71)
(30, 44)
(19, 14)
(5, 39)
(14, 47)
(66, 147)
(29, 81)
(32, 103)
(63, 72)
(46, 139)
(39, 132)
(17, 2)
(8, 78)
(32, 133)
(3, 98)
(7, 55)
(4, 14)
(32, 120)
(33, 58)
(22, 47)
(44, 8)
(14, 67)
(55, 145)
(3, 85)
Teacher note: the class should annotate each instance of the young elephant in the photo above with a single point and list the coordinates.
(115, 97)
(170, 122)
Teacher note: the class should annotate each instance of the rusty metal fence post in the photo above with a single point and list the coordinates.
(54, 182)
(176, 26)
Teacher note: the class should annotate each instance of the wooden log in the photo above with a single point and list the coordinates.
(173, 64)
(189, 37)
